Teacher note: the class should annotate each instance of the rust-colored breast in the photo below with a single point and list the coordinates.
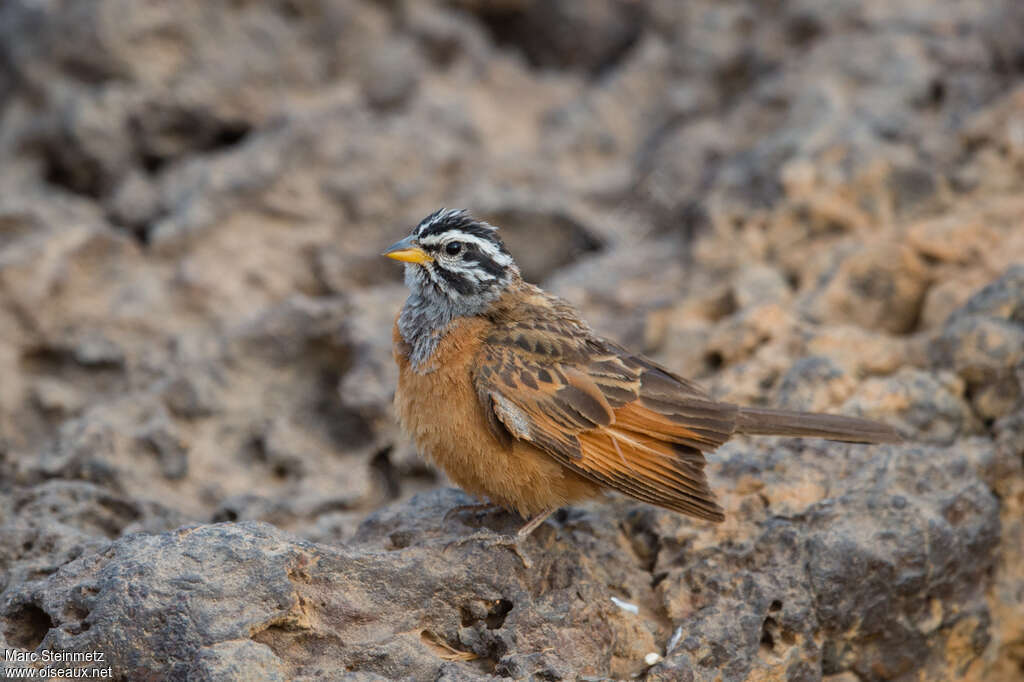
(439, 409)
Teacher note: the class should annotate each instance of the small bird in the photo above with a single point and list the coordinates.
(505, 388)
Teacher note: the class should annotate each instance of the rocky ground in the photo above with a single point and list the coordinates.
(816, 205)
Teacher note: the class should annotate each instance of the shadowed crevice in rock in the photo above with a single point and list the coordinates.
(26, 625)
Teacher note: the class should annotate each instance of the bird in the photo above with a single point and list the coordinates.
(507, 389)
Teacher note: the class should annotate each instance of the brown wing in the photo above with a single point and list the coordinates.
(615, 418)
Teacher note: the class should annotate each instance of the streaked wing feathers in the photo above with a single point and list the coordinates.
(613, 417)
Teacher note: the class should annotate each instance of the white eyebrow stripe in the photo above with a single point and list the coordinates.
(485, 245)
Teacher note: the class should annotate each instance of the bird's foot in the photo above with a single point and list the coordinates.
(489, 539)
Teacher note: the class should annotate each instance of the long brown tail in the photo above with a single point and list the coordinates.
(768, 422)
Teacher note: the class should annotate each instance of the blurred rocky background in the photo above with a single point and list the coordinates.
(813, 204)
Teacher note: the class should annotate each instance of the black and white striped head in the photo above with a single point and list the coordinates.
(454, 259)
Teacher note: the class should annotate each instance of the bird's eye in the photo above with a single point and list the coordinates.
(453, 248)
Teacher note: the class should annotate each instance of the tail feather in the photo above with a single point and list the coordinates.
(768, 422)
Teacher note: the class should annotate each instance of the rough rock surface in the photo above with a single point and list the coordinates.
(817, 205)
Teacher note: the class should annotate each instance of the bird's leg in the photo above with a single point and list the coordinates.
(532, 524)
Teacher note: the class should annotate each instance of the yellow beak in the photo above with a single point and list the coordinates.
(407, 252)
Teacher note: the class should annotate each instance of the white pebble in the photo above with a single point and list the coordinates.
(652, 658)
(626, 606)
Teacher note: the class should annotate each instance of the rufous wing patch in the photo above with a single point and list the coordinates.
(615, 418)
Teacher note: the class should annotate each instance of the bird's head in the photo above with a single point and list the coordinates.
(455, 260)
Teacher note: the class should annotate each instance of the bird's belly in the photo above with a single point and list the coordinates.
(441, 412)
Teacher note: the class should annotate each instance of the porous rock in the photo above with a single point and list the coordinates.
(799, 203)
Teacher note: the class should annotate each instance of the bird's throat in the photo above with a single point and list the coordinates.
(422, 324)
